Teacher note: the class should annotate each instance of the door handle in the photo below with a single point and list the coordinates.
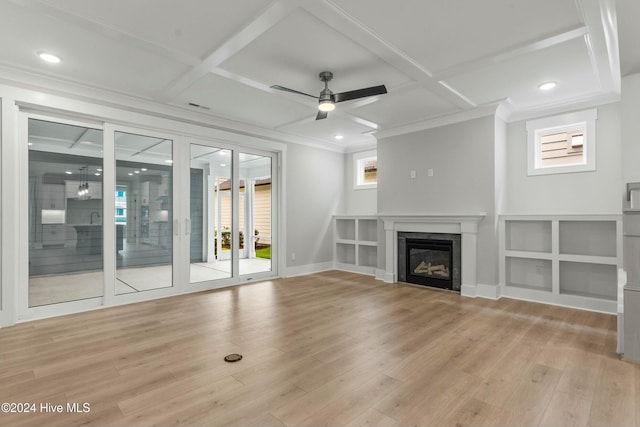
(176, 227)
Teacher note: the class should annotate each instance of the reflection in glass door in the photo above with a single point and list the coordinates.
(65, 213)
(143, 213)
(210, 254)
(255, 206)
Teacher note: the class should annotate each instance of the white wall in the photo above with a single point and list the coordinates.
(591, 192)
(630, 130)
(357, 202)
(314, 184)
(462, 157)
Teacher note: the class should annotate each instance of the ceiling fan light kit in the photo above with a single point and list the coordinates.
(326, 106)
(327, 99)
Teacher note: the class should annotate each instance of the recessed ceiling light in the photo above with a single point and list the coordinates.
(49, 57)
(547, 85)
(130, 174)
(97, 174)
(223, 164)
(168, 161)
(68, 172)
(99, 170)
(136, 171)
(143, 169)
(339, 137)
(31, 143)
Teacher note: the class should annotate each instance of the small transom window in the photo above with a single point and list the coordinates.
(562, 144)
(365, 166)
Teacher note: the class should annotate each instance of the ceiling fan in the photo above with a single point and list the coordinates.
(328, 99)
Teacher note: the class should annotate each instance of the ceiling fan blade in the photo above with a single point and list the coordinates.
(286, 89)
(359, 93)
(322, 115)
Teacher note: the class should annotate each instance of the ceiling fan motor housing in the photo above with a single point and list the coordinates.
(326, 99)
(326, 96)
(326, 76)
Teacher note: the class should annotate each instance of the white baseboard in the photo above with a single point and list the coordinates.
(562, 300)
(302, 270)
(469, 291)
(489, 291)
(481, 290)
(380, 274)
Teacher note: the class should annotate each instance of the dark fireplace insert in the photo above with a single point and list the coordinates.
(430, 259)
(430, 262)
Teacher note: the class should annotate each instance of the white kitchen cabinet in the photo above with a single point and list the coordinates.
(144, 193)
(53, 234)
(53, 196)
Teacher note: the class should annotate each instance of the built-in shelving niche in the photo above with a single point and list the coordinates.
(570, 260)
(356, 243)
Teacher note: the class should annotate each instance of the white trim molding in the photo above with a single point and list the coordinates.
(464, 224)
(303, 270)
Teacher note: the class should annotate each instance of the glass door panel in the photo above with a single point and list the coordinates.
(143, 204)
(255, 213)
(210, 255)
(65, 213)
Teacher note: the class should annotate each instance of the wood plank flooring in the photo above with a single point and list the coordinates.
(329, 349)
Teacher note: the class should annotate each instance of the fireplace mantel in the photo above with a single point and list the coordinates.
(464, 224)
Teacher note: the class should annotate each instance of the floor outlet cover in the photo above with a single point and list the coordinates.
(233, 357)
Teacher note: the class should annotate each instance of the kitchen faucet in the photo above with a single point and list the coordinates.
(91, 217)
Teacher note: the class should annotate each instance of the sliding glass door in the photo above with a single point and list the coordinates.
(117, 214)
(230, 222)
(211, 212)
(255, 216)
(65, 212)
(143, 203)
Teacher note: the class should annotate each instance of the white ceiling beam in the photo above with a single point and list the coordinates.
(338, 19)
(270, 17)
(602, 41)
(524, 49)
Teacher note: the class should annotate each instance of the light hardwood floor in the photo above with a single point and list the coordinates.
(334, 349)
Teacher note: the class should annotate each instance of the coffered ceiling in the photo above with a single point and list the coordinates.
(441, 61)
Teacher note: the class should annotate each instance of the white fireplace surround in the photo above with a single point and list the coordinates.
(464, 224)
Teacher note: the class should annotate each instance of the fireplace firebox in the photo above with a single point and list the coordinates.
(429, 259)
(430, 262)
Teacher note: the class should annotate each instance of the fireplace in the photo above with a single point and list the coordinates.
(462, 228)
(430, 262)
(429, 259)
